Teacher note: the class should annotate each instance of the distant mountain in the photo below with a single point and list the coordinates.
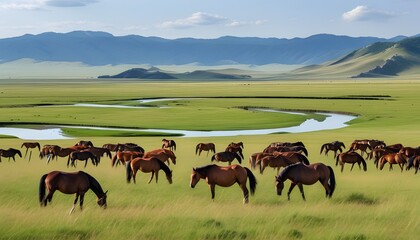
(380, 59)
(156, 73)
(101, 48)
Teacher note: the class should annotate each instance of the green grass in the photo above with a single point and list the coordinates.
(366, 205)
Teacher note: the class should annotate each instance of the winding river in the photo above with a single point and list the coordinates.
(332, 121)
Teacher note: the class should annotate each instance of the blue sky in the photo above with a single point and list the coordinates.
(212, 18)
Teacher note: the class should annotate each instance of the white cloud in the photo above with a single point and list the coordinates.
(42, 4)
(364, 13)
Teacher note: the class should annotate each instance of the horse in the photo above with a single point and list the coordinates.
(274, 161)
(84, 143)
(111, 147)
(235, 149)
(83, 156)
(225, 177)
(162, 154)
(392, 158)
(350, 157)
(147, 165)
(333, 146)
(124, 156)
(306, 174)
(236, 145)
(293, 157)
(414, 161)
(205, 147)
(286, 144)
(30, 145)
(60, 152)
(10, 153)
(99, 152)
(47, 150)
(70, 183)
(255, 157)
(168, 143)
(298, 149)
(377, 153)
(409, 151)
(360, 146)
(129, 147)
(226, 157)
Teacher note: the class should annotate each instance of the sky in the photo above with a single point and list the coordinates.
(212, 18)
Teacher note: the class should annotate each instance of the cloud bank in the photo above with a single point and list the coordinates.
(364, 13)
(42, 4)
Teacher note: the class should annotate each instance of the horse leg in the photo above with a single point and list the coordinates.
(157, 175)
(212, 187)
(301, 191)
(26, 152)
(153, 173)
(134, 174)
(245, 191)
(342, 166)
(48, 198)
(82, 198)
(30, 155)
(351, 169)
(292, 185)
(401, 166)
(74, 203)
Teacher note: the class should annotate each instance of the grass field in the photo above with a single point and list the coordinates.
(366, 205)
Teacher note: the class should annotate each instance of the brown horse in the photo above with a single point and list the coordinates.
(236, 145)
(129, 147)
(377, 153)
(237, 150)
(169, 144)
(111, 147)
(99, 152)
(30, 145)
(162, 154)
(350, 157)
(255, 157)
(393, 158)
(286, 144)
(147, 165)
(70, 183)
(84, 143)
(82, 156)
(274, 161)
(293, 157)
(60, 152)
(414, 161)
(205, 147)
(333, 146)
(306, 174)
(124, 156)
(360, 146)
(226, 157)
(10, 153)
(298, 149)
(225, 177)
(409, 151)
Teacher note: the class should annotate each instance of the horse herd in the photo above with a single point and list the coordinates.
(291, 156)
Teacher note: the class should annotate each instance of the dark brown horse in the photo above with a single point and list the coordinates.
(236, 145)
(84, 143)
(169, 144)
(82, 156)
(60, 152)
(162, 154)
(124, 156)
(333, 146)
(70, 183)
(274, 161)
(286, 144)
(30, 145)
(377, 153)
(225, 177)
(350, 157)
(300, 174)
(360, 146)
(147, 165)
(111, 147)
(409, 151)
(205, 147)
(237, 150)
(226, 157)
(393, 158)
(129, 147)
(99, 152)
(10, 153)
(414, 161)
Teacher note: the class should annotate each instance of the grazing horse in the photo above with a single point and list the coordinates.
(168, 143)
(124, 156)
(333, 146)
(225, 177)
(226, 157)
(111, 147)
(10, 153)
(409, 151)
(350, 157)
(286, 144)
(162, 154)
(377, 153)
(84, 143)
(300, 174)
(205, 147)
(82, 156)
(147, 165)
(30, 145)
(237, 150)
(70, 183)
(414, 161)
(99, 152)
(255, 157)
(236, 145)
(392, 158)
(129, 147)
(275, 161)
(60, 152)
(360, 146)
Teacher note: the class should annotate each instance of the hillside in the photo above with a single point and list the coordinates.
(101, 48)
(381, 59)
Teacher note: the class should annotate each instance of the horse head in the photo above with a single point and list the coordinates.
(169, 177)
(195, 177)
(102, 200)
(279, 185)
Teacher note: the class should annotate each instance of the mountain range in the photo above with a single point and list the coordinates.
(101, 48)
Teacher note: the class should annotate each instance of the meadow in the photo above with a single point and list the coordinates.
(366, 205)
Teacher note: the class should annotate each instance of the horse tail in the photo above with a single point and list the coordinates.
(322, 148)
(42, 189)
(39, 146)
(379, 160)
(196, 148)
(252, 180)
(303, 159)
(305, 151)
(128, 170)
(114, 158)
(213, 157)
(337, 159)
(364, 164)
(331, 182)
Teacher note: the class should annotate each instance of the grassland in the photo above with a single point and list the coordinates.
(366, 205)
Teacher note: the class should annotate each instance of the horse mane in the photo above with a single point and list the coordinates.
(204, 168)
(94, 185)
(286, 171)
(163, 166)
